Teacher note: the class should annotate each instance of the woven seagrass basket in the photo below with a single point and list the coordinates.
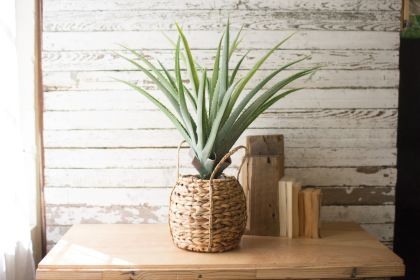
(207, 215)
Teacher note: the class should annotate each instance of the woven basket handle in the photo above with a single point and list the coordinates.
(218, 166)
(228, 155)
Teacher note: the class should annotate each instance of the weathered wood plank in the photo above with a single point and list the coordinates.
(363, 195)
(107, 196)
(331, 59)
(140, 20)
(336, 5)
(208, 39)
(105, 80)
(331, 196)
(165, 158)
(306, 98)
(320, 5)
(79, 214)
(327, 118)
(361, 214)
(158, 177)
(297, 138)
(366, 176)
(115, 214)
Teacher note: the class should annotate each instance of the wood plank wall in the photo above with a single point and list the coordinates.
(110, 157)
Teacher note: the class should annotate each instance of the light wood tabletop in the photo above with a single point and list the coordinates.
(128, 251)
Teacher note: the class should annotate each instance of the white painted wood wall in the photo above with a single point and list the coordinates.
(110, 157)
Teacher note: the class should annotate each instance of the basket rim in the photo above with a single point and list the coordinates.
(196, 179)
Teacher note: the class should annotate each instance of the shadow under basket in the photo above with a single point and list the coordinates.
(207, 215)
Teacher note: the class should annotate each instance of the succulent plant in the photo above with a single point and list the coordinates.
(212, 110)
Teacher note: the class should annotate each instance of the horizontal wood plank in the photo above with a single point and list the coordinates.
(331, 196)
(362, 195)
(152, 213)
(115, 5)
(106, 80)
(360, 214)
(360, 176)
(165, 158)
(61, 41)
(158, 177)
(114, 214)
(320, 118)
(294, 138)
(330, 59)
(306, 98)
(141, 20)
(63, 196)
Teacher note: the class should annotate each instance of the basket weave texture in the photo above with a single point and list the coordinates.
(207, 215)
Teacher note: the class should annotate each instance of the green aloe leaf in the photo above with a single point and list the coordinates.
(235, 43)
(182, 103)
(158, 74)
(215, 74)
(163, 109)
(201, 111)
(224, 69)
(168, 93)
(168, 76)
(238, 65)
(208, 148)
(252, 72)
(190, 61)
(244, 102)
(252, 111)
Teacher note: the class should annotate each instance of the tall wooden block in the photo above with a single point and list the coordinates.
(265, 167)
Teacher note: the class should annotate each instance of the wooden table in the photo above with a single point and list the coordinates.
(93, 252)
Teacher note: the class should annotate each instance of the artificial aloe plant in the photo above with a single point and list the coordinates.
(208, 111)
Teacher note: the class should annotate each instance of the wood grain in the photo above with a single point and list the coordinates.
(365, 257)
(125, 100)
(105, 80)
(363, 195)
(320, 118)
(331, 59)
(143, 20)
(164, 138)
(332, 196)
(263, 174)
(165, 157)
(261, 39)
(158, 177)
(115, 5)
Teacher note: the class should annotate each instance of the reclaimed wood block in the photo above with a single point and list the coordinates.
(312, 208)
(264, 169)
(263, 145)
